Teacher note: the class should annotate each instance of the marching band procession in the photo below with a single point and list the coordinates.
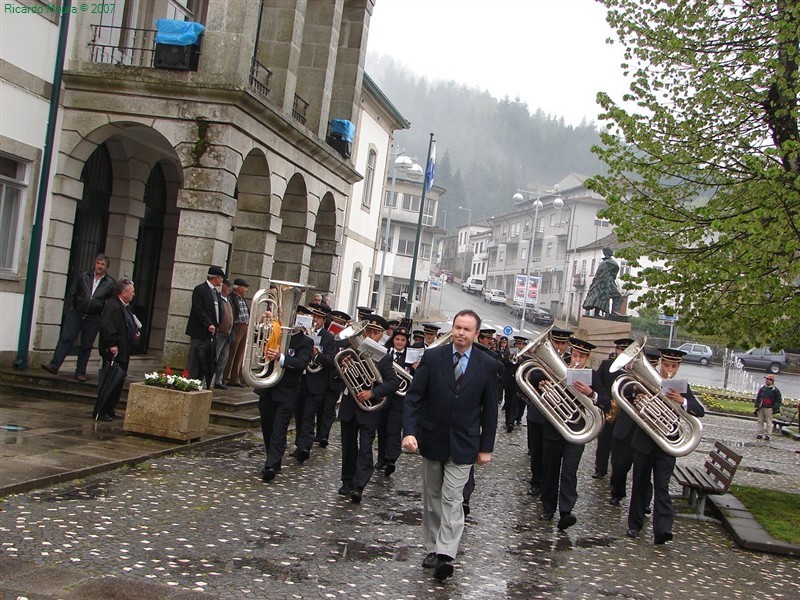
(439, 395)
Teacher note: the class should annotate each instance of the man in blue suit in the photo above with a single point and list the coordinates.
(450, 417)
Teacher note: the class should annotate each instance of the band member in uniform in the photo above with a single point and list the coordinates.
(561, 458)
(606, 378)
(418, 339)
(390, 428)
(621, 449)
(510, 386)
(276, 404)
(315, 382)
(359, 426)
(651, 461)
(431, 332)
(326, 414)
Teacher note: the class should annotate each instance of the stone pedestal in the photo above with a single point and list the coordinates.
(601, 333)
(167, 413)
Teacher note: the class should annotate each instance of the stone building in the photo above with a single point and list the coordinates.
(171, 160)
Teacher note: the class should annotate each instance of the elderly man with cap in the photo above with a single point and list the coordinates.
(315, 381)
(768, 401)
(561, 458)
(202, 326)
(224, 333)
(606, 378)
(276, 404)
(326, 413)
(241, 318)
(653, 466)
(390, 428)
(359, 426)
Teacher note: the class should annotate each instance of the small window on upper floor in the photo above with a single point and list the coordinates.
(369, 178)
(13, 187)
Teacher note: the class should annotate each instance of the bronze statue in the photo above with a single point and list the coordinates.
(604, 288)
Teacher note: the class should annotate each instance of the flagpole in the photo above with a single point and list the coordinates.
(427, 182)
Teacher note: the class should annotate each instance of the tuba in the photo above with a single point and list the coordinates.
(281, 299)
(637, 392)
(404, 377)
(574, 415)
(357, 366)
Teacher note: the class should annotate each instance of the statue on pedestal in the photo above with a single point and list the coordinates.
(604, 288)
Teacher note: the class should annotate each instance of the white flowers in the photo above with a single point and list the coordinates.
(173, 382)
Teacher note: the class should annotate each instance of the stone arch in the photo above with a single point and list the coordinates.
(324, 265)
(296, 239)
(252, 226)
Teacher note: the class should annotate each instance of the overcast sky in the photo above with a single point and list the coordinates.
(550, 53)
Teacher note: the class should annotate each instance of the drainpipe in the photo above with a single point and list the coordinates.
(35, 251)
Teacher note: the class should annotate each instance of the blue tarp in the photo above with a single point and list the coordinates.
(344, 129)
(178, 33)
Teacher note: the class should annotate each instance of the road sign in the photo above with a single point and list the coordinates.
(435, 284)
(508, 330)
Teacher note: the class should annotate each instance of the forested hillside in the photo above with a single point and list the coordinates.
(487, 148)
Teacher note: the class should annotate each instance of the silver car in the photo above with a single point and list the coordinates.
(699, 353)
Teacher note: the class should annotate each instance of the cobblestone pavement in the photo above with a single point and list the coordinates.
(205, 521)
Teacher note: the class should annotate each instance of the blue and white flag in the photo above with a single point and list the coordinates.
(429, 171)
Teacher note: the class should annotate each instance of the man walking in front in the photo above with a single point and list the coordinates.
(82, 308)
(450, 416)
(768, 402)
(202, 326)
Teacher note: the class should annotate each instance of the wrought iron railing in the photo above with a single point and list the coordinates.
(115, 45)
(299, 109)
(259, 78)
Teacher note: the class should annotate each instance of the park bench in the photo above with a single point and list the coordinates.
(714, 478)
(785, 418)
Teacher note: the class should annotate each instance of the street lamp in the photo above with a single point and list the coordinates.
(466, 252)
(537, 204)
(570, 225)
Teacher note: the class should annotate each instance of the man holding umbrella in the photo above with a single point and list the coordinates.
(118, 333)
(202, 326)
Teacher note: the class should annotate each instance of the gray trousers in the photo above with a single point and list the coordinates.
(443, 515)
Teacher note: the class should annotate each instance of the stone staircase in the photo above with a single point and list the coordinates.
(236, 407)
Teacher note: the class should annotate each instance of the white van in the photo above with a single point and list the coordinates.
(473, 285)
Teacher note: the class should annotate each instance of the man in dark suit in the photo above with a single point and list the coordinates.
(82, 308)
(118, 332)
(327, 410)
(202, 326)
(450, 416)
(276, 404)
(359, 426)
(315, 381)
(649, 460)
(606, 379)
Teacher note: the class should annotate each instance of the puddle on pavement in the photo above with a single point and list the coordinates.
(411, 516)
(268, 537)
(760, 470)
(230, 448)
(274, 569)
(416, 494)
(89, 491)
(365, 552)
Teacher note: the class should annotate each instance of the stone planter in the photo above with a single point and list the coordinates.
(167, 413)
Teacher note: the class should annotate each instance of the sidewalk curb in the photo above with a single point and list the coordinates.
(746, 531)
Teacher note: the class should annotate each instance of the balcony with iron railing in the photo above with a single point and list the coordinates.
(299, 109)
(259, 78)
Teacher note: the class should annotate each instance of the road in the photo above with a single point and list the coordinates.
(453, 299)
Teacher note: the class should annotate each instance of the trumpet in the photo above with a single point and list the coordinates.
(280, 301)
(573, 414)
(637, 392)
(357, 366)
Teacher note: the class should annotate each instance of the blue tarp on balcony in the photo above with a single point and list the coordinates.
(343, 129)
(178, 33)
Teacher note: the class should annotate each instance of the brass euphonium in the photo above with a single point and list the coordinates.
(281, 299)
(357, 366)
(638, 392)
(405, 379)
(574, 415)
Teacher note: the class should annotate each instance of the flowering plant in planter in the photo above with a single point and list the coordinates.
(170, 381)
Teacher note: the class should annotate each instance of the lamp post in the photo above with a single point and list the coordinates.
(537, 204)
(466, 252)
(566, 264)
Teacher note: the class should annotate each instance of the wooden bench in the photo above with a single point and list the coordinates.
(714, 478)
(783, 419)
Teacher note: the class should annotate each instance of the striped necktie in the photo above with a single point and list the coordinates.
(457, 371)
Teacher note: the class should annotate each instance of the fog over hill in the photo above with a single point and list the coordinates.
(486, 147)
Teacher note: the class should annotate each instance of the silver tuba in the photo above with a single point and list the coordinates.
(574, 415)
(357, 365)
(637, 392)
(281, 299)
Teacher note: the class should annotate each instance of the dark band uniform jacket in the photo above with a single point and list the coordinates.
(390, 384)
(318, 382)
(295, 361)
(449, 420)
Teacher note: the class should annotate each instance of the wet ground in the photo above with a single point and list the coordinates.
(204, 521)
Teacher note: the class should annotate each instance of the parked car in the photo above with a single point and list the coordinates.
(699, 353)
(473, 285)
(516, 308)
(494, 296)
(539, 316)
(763, 358)
(448, 274)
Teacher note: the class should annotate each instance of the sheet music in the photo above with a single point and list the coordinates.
(413, 355)
(584, 375)
(679, 385)
(304, 322)
(374, 348)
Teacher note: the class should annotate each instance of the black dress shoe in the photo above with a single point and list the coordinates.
(509, 428)
(444, 567)
(302, 455)
(356, 494)
(53, 371)
(220, 386)
(380, 465)
(598, 475)
(663, 538)
(535, 491)
(389, 469)
(345, 490)
(546, 516)
(429, 562)
(116, 416)
(268, 475)
(632, 533)
(236, 385)
(566, 521)
(465, 506)
(323, 443)
(614, 501)
(103, 418)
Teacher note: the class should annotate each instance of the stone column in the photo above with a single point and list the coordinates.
(350, 57)
(279, 46)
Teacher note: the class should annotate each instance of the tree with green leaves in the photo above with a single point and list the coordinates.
(704, 162)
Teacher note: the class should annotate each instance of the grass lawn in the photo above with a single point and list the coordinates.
(778, 512)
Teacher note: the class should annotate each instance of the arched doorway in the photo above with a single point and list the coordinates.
(293, 247)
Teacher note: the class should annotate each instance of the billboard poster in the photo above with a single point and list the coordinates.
(532, 289)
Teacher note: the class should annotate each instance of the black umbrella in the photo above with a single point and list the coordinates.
(208, 353)
(109, 387)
